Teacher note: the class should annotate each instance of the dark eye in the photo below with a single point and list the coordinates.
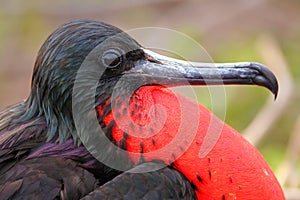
(112, 58)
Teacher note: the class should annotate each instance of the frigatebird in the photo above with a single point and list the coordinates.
(88, 73)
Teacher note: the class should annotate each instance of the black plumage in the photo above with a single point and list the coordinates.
(165, 183)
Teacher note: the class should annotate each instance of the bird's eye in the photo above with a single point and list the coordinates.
(112, 58)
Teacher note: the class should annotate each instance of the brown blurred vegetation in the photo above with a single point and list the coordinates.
(231, 31)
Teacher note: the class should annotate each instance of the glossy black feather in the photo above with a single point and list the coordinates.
(164, 183)
(46, 178)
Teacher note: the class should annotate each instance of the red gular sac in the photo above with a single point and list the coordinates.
(159, 124)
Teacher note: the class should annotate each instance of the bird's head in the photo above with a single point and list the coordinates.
(120, 66)
(59, 60)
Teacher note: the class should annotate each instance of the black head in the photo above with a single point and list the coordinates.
(60, 58)
(107, 50)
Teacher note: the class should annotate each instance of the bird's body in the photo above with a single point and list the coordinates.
(45, 153)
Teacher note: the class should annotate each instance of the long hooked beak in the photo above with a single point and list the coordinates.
(158, 69)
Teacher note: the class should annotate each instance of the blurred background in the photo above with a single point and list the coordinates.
(266, 31)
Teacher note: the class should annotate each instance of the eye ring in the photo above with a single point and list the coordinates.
(112, 58)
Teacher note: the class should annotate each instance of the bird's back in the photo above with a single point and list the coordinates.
(32, 167)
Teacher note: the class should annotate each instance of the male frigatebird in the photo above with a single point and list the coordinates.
(89, 73)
